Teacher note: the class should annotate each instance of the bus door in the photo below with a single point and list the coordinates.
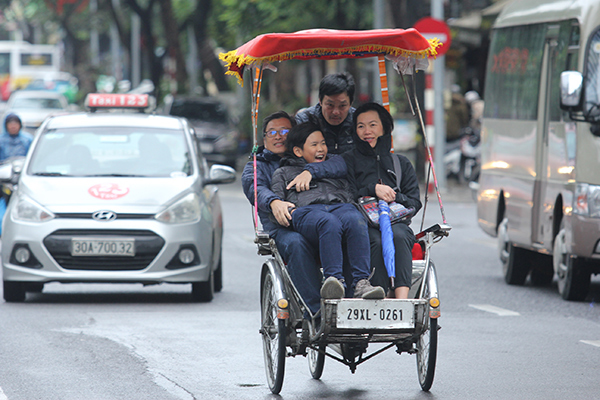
(542, 173)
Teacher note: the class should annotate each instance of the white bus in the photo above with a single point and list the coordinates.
(539, 187)
(21, 62)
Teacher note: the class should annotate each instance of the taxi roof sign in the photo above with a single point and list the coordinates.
(94, 101)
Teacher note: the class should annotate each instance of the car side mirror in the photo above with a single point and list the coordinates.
(571, 87)
(11, 169)
(6, 172)
(220, 174)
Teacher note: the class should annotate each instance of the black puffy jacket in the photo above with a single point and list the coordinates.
(322, 191)
(367, 165)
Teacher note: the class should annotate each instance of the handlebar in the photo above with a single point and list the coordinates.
(437, 230)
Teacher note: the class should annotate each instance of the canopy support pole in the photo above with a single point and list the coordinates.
(385, 97)
(257, 78)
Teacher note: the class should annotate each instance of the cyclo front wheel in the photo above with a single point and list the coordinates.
(273, 332)
(316, 361)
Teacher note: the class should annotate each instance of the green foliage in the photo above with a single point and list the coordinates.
(241, 20)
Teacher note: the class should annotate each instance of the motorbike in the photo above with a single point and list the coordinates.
(462, 156)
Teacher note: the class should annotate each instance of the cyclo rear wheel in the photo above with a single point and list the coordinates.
(273, 332)
(427, 354)
(427, 342)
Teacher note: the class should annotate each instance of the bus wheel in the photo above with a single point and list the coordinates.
(573, 274)
(514, 259)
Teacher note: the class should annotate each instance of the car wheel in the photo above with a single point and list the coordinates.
(514, 259)
(572, 273)
(14, 292)
(34, 287)
(219, 276)
(204, 291)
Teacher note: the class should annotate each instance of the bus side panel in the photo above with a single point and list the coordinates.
(508, 170)
(560, 170)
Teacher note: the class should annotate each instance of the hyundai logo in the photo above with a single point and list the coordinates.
(104, 215)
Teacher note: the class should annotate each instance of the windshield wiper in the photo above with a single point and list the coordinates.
(49, 174)
(117, 175)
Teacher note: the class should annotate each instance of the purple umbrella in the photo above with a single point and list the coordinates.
(387, 240)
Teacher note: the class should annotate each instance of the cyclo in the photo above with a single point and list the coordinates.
(349, 324)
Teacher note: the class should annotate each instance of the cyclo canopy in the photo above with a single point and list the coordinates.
(406, 48)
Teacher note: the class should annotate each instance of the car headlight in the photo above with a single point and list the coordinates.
(29, 210)
(182, 211)
(587, 200)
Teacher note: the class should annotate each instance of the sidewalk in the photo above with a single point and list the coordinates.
(453, 193)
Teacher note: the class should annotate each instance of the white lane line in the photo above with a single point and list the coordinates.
(2, 395)
(591, 342)
(496, 310)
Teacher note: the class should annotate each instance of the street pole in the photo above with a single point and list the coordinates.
(94, 38)
(439, 71)
(135, 50)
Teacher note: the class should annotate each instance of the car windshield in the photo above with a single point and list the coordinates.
(114, 151)
(208, 112)
(36, 103)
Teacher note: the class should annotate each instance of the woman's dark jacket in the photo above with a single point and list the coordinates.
(322, 191)
(266, 164)
(367, 165)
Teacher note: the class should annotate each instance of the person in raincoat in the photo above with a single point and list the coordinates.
(13, 142)
(371, 173)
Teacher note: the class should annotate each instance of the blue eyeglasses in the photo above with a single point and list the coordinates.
(282, 132)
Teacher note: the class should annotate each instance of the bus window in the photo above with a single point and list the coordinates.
(514, 67)
(559, 64)
(592, 83)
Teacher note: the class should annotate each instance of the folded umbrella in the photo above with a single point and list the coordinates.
(387, 240)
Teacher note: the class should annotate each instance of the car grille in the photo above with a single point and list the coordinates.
(89, 216)
(147, 246)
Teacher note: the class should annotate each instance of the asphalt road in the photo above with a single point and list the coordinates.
(131, 342)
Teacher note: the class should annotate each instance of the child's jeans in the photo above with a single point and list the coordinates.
(325, 226)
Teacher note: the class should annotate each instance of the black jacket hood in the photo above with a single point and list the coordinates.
(384, 144)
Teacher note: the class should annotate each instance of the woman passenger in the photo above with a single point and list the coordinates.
(371, 173)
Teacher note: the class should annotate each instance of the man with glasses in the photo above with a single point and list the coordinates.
(299, 255)
(334, 111)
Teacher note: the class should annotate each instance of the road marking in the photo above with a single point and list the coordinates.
(2, 395)
(591, 342)
(496, 310)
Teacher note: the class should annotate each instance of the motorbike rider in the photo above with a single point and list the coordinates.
(14, 142)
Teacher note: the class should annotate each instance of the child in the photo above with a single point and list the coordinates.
(325, 216)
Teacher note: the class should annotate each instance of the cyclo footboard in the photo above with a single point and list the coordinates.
(379, 318)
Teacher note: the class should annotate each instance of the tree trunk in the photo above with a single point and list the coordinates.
(173, 44)
(206, 51)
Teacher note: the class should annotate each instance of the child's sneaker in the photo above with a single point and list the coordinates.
(365, 290)
(332, 288)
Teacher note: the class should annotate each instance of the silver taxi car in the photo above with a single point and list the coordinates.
(114, 197)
